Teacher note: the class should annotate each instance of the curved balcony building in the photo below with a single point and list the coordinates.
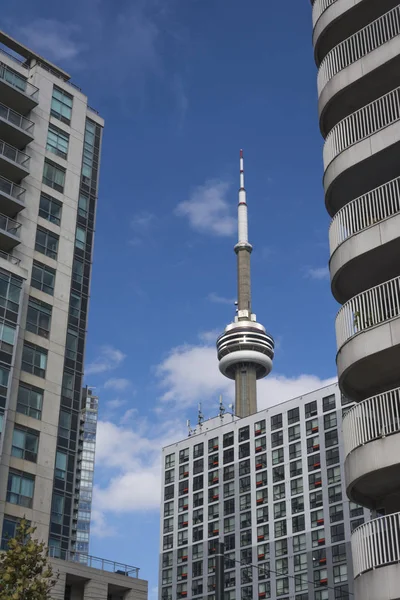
(357, 52)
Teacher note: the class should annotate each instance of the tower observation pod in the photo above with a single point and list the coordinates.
(245, 349)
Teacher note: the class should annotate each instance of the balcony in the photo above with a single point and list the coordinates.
(93, 561)
(16, 91)
(361, 152)
(368, 341)
(371, 432)
(14, 164)
(360, 69)
(11, 197)
(9, 233)
(14, 128)
(364, 239)
(376, 557)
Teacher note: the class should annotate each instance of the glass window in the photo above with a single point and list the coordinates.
(339, 573)
(39, 317)
(332, 456)
(61, 465)
(330, 420)
(229, 506)
(262, 514)
(277, 456)
(228, 439)
(54, 176)
(294, 433)
(244, 433)
(328, 403)
(282, 586)
(57, 509)
(7, 337)
(299, 543)
(276, 422)
(312, 426)
(30, 400)
(83, 205)
(245, 520)
(331, 438)
(229, 472)
(296, 468)
(61, 105)
(20, 488)
(297, 504)
(9, 530)
(310, 409)
(25, 444)
(277, 439)
(296, 486)
(293, 415)
(80, 238)
(336, 513)
(260, 444)
(259, 427)
(244, 450)
(301, 582)
(334, 475)
(300, 562)
(57, 141)
(316, 499)
(294, 450)
(43, 278)
(339, 553)
(50, 209)
(228, 456)
(337, 533)
(71, 346)
(342, 592)
(356, 523)
(198, 450)
(278, 474)
(356, 510)
(318, 537)
(77, 271)
(46, 242)
(183, 455)
(34, 360)
(298, 523)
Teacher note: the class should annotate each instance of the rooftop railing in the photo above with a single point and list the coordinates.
(14, 154)
(365, 211)
(376, 544)
(12, 189)
(18, 82)
(16, 119)
(358, 45)
(368, 309)
(95, 562)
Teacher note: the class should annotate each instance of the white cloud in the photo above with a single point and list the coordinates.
(217, 299)
(116, 403)
(99, 526)
(210, 337)
(318, 273)
(207, 209)
(142, 220)
(109, 358)
(190, 374)
(55, 40)
(118, 384)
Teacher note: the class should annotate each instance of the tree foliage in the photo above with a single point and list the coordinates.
(25, 573)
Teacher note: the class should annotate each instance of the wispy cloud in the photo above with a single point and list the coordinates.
(317, 273)
(209, 337)
(217, 299)
(116, 403)
(109, 358)
(208, 210)
(118, 384)
(55, 40)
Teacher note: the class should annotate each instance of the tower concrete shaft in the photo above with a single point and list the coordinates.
(245, 350)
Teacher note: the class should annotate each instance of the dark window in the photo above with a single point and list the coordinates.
(330, 420)
(34, 360)
(229, 541)
(30, 400)
(297, 504)
(9, 530)
(198, 450)
(316, 499)
(278, 474)
(244, 467)
(342, 592)
(244, 450)
(296, 468)
(229, 472)
(314, 462)
(184, 455)
(57, 141)
(169, 492)
(294, 450)
(38, 319)
(54, 176)
(198, 466)
(294, 433)
(198, 499)
(339, 553)
(328, 403)
(228, 439)
(310, 409)
(276, 439)
(244, 433)
(213, 445)
(276, 422)
(356, 523)
(337, 533)
(229, 506)
(46, 242)
(20, 488)
(336, 513)
(228, 456)
(25, 443)
(50, 209)
(198, 482)
(61, 105)
(244, 484)
(346, 401)
(335, 494)
(293, 415)
(83, 205)
(355, 510)
(332, 456)
(331, 438)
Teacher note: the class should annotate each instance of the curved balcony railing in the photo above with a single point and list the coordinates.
(362, 124)
(319, 7)
(368, 309)
(376, 544)
(363, 212)
(14, 154)
(360, 44)
(16, 119)
(371, 420)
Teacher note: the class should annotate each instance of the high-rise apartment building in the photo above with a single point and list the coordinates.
(271, 487)
(50, 142)
(357, 52)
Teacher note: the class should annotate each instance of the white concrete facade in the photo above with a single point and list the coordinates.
(357, 51)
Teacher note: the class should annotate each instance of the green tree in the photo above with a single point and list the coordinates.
(25, 573)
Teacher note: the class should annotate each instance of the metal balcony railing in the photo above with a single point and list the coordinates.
(362, 124)
(9, 225)
(12, 259)
(358, 45)
(12, 189)
(16, 119)
(93, 561)
(365, 211)
(14, 154)
(371, 420)
(18, 83)
(319, 7)
(376, 544)
(368, 309)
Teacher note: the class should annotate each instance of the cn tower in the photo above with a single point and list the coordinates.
(245, 349)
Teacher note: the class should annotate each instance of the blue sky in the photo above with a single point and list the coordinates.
(182, 85)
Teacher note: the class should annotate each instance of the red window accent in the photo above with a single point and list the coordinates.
(320, 521)
(215, 447)
(323, 581)
(185, 523)
(261, 556)
(184, 575)
(185, 506)
(186, 474)
(184, 557)
(215, 463)
(261, 595)
(314, 429)
(258, 483)
(322, 561)
(258, 448)
(318, 483)
(260, 537)
(215, 531)
(216, 497)
(258, 431)
(260, 500)
(183, 593)
(317, 465)
(321, 541)
(258, 466)
(316, 447)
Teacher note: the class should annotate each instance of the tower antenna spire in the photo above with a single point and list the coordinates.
(245, 349)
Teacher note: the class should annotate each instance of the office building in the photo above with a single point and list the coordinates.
(245, 349)
(270, 486)
(50, 143)
(357, 52)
